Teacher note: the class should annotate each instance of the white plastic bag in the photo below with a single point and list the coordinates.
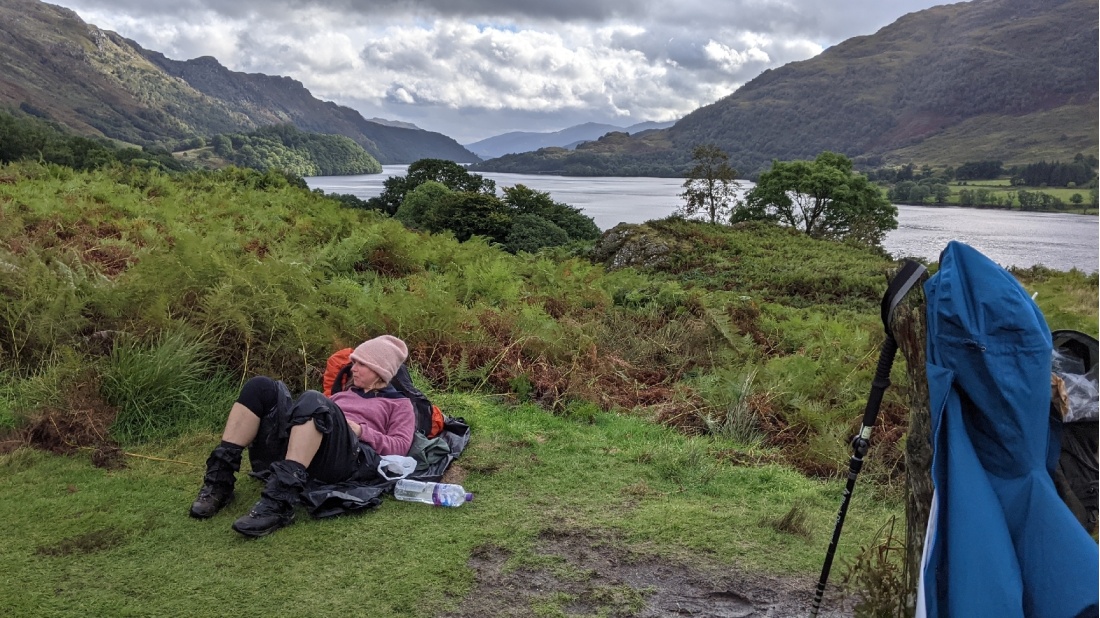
(1081, 388)
(393, 467)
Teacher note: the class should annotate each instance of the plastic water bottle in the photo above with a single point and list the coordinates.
(439, 494)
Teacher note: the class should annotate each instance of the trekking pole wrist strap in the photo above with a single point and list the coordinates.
(900, 285)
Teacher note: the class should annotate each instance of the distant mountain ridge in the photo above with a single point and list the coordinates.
(282, 99)
(54, 65)
(394, 123)
(1006, 80)
(525, 141)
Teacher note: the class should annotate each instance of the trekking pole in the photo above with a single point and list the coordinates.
(899, 286)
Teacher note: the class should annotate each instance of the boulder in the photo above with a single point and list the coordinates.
(638, 245)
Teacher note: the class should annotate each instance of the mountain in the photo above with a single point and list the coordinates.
(95, 82)
(394, 123)
(1007, 80)
(635, 129)
(524, 141)
(271, 99)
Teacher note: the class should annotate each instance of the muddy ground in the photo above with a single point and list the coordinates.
(588, 576)
(79, 424)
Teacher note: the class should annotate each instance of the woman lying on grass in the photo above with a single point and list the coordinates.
(332, 440)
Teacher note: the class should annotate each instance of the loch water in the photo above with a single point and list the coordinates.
(1011, 238)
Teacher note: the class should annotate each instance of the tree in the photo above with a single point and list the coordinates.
(419, 201)
(569, 219)
(710, 185)
(979, 170)
(466, 214)
(940, 192)
(823, 198)
(1028, 199)
(525, 220)
(448, 173)
(900, 192)
(222, 145)
(919, 194)
(531, 232)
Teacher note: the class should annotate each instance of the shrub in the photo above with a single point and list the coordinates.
(531, 232)
(42, 302)
(876, 578)
(419, 201)
(468, 214)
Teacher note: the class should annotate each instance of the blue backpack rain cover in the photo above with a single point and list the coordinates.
(1000, 541)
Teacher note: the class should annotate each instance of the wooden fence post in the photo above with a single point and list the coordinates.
(908, 324)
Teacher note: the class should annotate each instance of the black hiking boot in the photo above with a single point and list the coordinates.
(217, 484)
(276, 506)
(210, 500)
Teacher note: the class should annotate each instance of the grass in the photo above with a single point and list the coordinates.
(80, 540)
(1068, 300)
(1005, 185)
(267, 278)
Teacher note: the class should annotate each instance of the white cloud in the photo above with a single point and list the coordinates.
(731, 60)
(457, 65)
(400, 95)
(476, 68)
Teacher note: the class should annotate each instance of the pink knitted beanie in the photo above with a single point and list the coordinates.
(383, 354)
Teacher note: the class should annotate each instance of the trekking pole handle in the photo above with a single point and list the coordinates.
(879, 385)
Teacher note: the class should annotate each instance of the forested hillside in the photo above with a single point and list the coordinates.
(55, 66)
(284, 147)
(280, 148)
(1007, 80)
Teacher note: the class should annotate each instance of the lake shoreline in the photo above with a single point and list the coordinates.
(1011, 237)
(994, 207)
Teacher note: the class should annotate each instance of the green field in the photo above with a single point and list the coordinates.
(1003, 188)
(1005, 185)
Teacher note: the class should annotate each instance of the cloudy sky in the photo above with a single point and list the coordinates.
(472, 69)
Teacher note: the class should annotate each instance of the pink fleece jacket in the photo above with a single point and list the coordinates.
(387, 424)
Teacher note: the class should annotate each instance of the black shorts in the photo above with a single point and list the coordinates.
(341, 456)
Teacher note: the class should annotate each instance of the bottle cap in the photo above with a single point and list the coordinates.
(469, 497)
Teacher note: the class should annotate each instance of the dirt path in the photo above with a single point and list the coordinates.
(586, 576)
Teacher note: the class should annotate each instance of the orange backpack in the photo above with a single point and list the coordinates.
(340, 360)
(429, 418)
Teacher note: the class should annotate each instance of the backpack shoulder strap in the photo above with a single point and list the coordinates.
(402, 381)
